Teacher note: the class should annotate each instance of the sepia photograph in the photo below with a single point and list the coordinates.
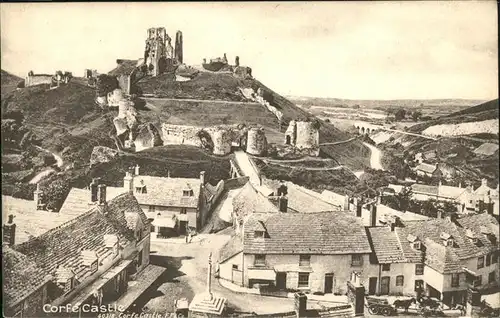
(250, 159)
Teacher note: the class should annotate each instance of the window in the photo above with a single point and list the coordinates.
(400, 280)
(303, 280)
(67, 286)
(491, 277)
(304, 260)
(416, 245)
(488, 259)
(480, 262)
(386, 267)
(419, 285)
(183, 210)
(151, 208)
(93, 267)
(478, 281)
(494, 258)
(258, 234)
(356, 260)
(235, 266)
(187, 193)
(455, 278)
(260, 260)
(419, 269)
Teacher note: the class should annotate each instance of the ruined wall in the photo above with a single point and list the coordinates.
(291, 133)
(256, 142)
(32, 80)
(124, 83)
(115, 97)
(181, 135)
(307, 135)
(178, 47)
(147, 137)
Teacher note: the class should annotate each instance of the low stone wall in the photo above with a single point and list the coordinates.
(38, 80)
(235, 183)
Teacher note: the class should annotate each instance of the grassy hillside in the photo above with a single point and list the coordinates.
(9, 83)
(484, 111)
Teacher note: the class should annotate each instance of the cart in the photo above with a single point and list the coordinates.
(380, 306)
(181, 308)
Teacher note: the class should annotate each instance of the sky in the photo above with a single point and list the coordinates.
(353, 50)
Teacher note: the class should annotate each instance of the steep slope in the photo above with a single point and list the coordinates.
(9, 82)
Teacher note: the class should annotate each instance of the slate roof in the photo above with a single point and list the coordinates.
(29, 221)
(78, 202)
(425, 167)
(386, 245)
(304, 200)
(423, 188)
(21, 276)
(63, 245)
(305, 233)
(168, 192)
(431, 231)
(249, 201)
(475, 222)
(231, 248)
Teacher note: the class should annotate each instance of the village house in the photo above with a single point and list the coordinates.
(437, 257)
(99, 257)
(310, 252)
(174, 206)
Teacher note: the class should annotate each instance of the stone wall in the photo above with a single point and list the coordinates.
(181, 135)
(115, 97)
(222, 142)
(147, 137)
(256, 142)
(32, 80)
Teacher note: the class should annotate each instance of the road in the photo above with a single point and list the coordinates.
(187, 275)
(247, 168)
(375, 159)
(200, 100)
(47, 172)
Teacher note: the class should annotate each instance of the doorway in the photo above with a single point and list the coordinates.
(183, 227)
(384, 285)
(328, 283)
(288, 140)
(281, 280)
(372, 286)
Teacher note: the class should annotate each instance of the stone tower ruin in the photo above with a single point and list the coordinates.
(303, 135)
(178, 47)
(155, 53)
(222, 142)
(256, 142)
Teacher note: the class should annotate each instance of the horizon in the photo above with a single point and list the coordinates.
(354, 50)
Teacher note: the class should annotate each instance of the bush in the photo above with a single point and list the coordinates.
(55, 193)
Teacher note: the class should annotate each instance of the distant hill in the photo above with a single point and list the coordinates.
(9, 82)
(324, 101)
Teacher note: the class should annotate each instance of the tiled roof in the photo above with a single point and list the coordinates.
(29, 221)
(231, 248)
(476, 222)
(411, 255)
(423, 188)
(167, 191)
(249, 201)
(433, 230)
(62, 246)
(483, 189)
(386, 245)
(306, 233)
(78, 200)
(442, 258)
(425, 167)
(303, 200)
(21, 276)
(450, 192)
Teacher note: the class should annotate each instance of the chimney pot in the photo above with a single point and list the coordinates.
(102, 194)
(11, 219)
(93, 189)
(346, 203)
(9, 231)
(283, 204)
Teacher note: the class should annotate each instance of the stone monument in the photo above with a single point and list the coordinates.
(207, 304)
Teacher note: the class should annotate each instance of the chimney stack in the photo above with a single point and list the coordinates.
(168, 173)
(37, 197)
(283, 203)
(128, 181)
(373, 215)
(202, 178)
(136, 170)
(9, 231)
(439, 214)
(102, 194)
(346, 203)
(379, 199)
(359, 207)
(93, 189)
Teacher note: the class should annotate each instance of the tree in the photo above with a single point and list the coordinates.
(429, 208)
(106, 84)
(55, 193)
(400, 114)
(404, 198)
(416, 115)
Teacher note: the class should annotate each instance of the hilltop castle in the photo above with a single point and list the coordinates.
(159, 55)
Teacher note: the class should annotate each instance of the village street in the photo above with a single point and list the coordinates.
(187, 275)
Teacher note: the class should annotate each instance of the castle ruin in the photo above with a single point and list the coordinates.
(159, 55)
(303, 135)
(256, 142)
